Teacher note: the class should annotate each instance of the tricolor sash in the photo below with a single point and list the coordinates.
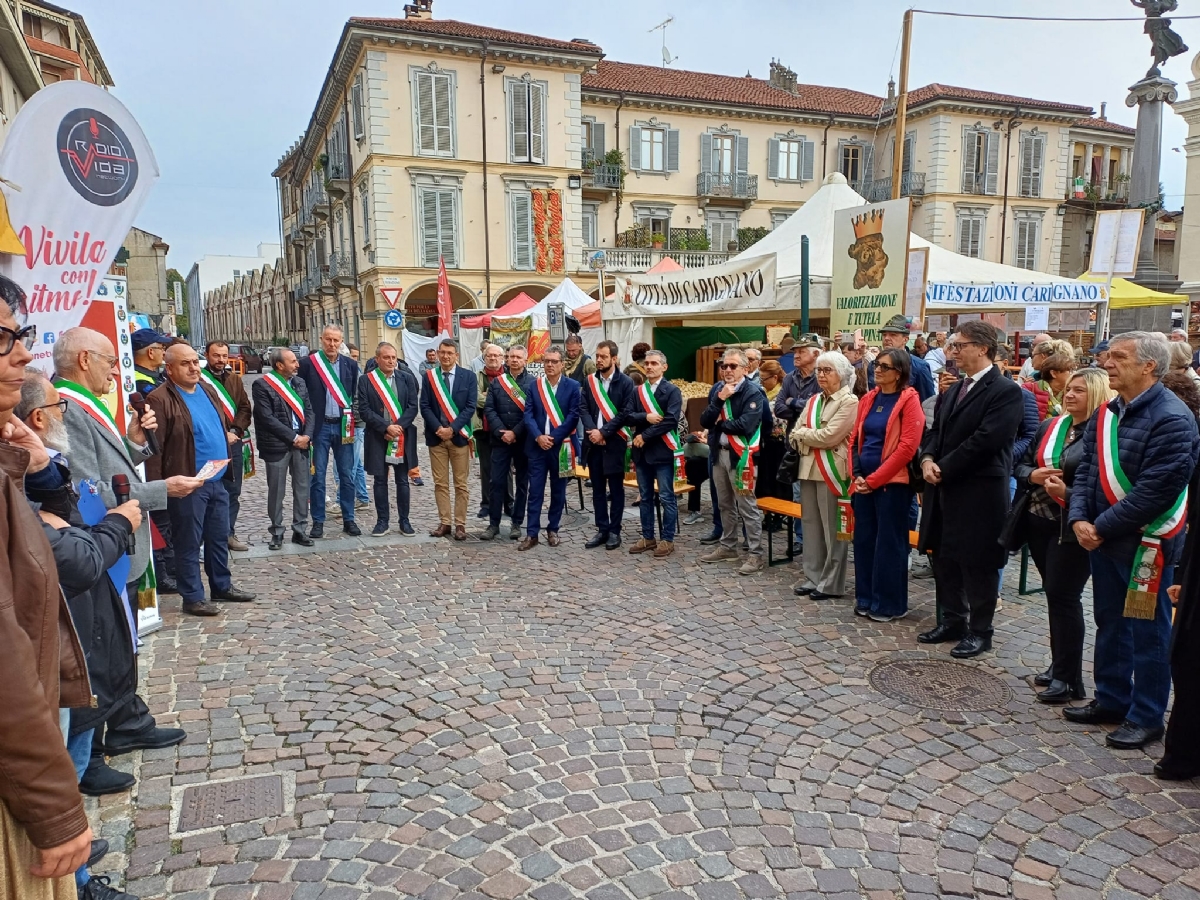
(445, 401)
(826, 461)
(513, 390)
(566, 452)
(608, 411)
(743, 479)
(391, 404)
(671, 438)
(1050, 450)
(288, 394)
(90, 403)
(333, 384)
(1141, 600)
(222, 394)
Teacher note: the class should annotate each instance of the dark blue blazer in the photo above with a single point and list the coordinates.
(670, 401)
(376, 421)
(347, 371)
(568, 396)
(464, 394)
(611, 455)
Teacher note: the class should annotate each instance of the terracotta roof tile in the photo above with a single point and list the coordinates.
(655, 81)
(451, 29)
(1105, 125)
(932, 92)
(63, 54)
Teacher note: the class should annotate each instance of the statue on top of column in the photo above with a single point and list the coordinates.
(1165, 43)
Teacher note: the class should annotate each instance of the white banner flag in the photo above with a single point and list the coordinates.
(730, 287)
(84, 170)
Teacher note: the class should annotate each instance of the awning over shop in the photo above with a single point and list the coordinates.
(518, 305)
(1127, 295)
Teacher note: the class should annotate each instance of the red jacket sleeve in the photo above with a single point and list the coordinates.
(912, 429)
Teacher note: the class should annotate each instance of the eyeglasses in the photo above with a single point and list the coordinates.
(110, 361)
(826, 370)
(958, 345)
(551, 362)
(61, 404)
(9, 338)
(730, 367)
(884, 367)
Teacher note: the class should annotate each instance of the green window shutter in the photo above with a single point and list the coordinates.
(741, 155)
(706, 144)
(808, 158)
(773, 159)
(635, 147)
(672, 149)
(357, 106)
(598, 140)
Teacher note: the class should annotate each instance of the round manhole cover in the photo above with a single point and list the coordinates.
(939, 684)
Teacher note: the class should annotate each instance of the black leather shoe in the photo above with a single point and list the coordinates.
(1166, 772)
(614, 540)
(1061, 692)
(600, 538)
(202, 608)
(101, 779)
(233, 595)
(821, 595)
(801, 591)
(167, 585)
(352, 529)
(971, 645)
(1133, 737)
(99, 888)
(943, 634)
(151, 739)
(1043, 679)
(318, 530)
(302, 539)
(711, 538)
(276, 544)
(98, 852)
(1093, 714)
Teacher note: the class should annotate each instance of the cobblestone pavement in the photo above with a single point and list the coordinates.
(458, 720)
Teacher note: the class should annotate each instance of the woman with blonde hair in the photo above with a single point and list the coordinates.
(822, 438)
(1044, 479)
(1181, 361)
(1054, 361)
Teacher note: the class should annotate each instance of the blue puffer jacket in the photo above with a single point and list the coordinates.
(1157, 443)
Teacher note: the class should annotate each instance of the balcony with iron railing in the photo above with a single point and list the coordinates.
(306, 220)
(337, 176)
(1100, 194)
(341, 273)
(727, 186)
(639, 259)
(912, 184)
(316, 201)
(602, 177)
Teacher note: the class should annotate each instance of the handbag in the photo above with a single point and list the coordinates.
(1015, 533)
(789, 466)
(916, 477)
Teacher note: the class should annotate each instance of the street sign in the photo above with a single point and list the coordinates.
(393, 318)
(391, 295)
(597, 261)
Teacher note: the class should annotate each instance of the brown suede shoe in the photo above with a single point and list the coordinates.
(527, 543)
(643, 546)
(552, 538)
(664, 548)
(440, 531)
(460, 533)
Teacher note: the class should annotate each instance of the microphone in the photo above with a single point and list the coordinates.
(138, 402)
(120, 488)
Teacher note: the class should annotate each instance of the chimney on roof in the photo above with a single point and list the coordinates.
(891, 90)
(782, 78)
(1103, 111)
(419, 9)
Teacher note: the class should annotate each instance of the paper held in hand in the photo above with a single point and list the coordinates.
(212, 468)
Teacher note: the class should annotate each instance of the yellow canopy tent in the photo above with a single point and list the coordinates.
(1127, 295)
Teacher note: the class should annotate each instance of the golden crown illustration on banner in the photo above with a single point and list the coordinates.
(868, 223)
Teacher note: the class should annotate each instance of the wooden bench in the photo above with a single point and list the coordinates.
(679, 490)
(791, 512)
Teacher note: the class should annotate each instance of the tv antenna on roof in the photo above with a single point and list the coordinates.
(667, 58)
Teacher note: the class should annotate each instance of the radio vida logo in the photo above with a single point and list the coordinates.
(96, 157)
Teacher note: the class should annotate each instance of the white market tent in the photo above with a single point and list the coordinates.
(572, 298)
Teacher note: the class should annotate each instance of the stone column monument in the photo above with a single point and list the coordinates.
(1149, 95)
(1189, 230)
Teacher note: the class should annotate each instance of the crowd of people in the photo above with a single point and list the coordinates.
(936, 445)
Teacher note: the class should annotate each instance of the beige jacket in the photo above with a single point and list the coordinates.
(837, 421)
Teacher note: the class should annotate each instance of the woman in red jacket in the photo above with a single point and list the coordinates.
(886, 436)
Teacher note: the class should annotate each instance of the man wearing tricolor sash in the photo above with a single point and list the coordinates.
(387, 400)
(330, 377)
(1128, 507)
(657, 453)
(232, 393)
(448, 397)
(551, 414)
(504, 411)
(735, 421)
(285, 423)
(607, 397)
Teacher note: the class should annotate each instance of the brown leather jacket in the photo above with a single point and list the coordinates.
(41, 668)
(176, 440)
(241, 402)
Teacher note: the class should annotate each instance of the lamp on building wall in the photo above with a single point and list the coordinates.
(497, 68)
(574, 182)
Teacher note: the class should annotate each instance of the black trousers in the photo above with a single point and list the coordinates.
(164, 559)
(967, 594)
(503, 458)
(1065, 569)
(400, 475)
(129, 718)
(483, 443)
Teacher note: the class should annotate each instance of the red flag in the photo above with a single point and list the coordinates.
(445, 309)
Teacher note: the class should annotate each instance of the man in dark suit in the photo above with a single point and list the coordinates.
(607, 397)
(504, 411)
(285, 423)
(330, 378)
(966, 459)
(551, 414)
(654, 414)
(387, 401)
(448, 398)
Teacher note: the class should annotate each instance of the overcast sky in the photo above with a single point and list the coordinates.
(223, 87)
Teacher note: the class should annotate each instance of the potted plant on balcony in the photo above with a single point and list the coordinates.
(657, 240)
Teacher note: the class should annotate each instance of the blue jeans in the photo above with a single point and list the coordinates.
(1132, 659)
(503, 456)
(881, 549)
(541, 464)
(202, 517)
(360, 473)
(329, 440)
(79, 748)
(664, 473)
